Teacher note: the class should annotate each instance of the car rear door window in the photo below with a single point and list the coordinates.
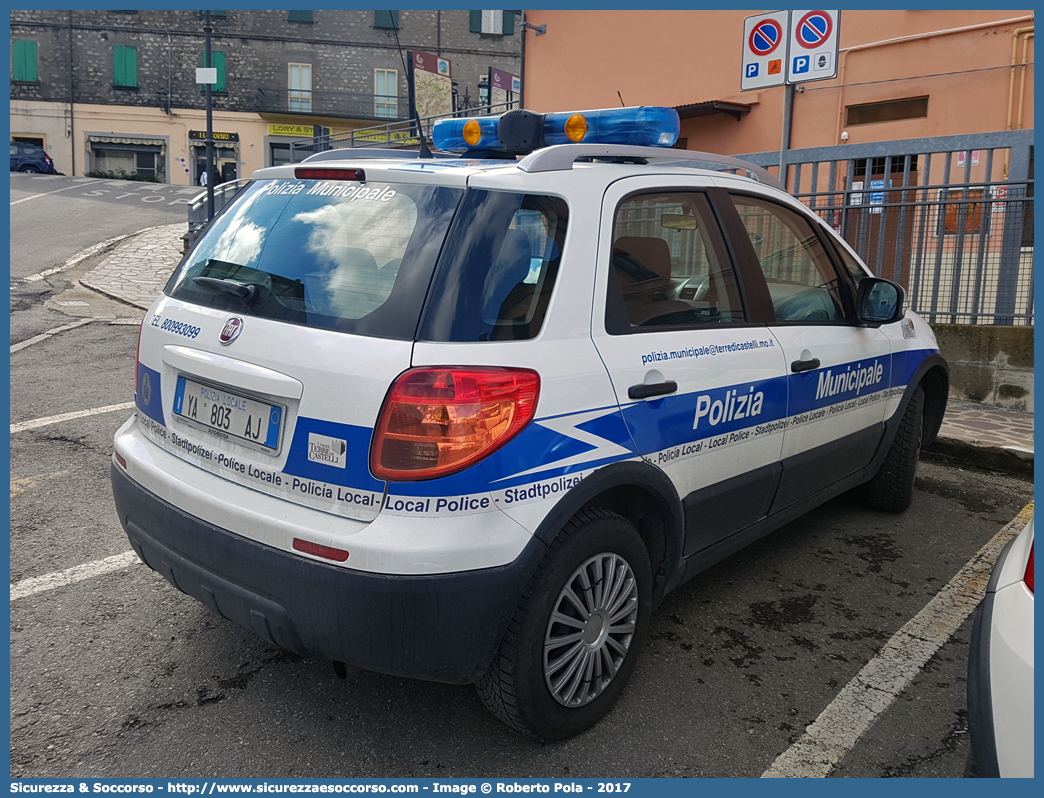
(666, 270)
(498, 269)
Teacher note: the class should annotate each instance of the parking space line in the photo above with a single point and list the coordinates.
(45, 335)
(44, 194)
(39, 584)
(864, 699)
(43, 422)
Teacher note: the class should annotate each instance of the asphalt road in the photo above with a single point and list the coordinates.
(55, 218)
(121, 675)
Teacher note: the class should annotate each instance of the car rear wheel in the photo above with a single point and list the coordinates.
(892, 486)
(574, 639)
(32, 170)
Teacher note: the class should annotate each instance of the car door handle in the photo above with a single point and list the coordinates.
(804, 365)
(644, 391)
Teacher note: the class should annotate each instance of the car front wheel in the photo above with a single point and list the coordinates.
(575, 637)
(891, 488)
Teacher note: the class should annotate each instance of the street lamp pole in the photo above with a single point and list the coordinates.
(210, 124)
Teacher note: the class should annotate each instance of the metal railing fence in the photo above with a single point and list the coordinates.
(224, 193)
(949, 218)
(400, 133)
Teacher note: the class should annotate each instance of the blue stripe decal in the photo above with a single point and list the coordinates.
(471, 480)
(906, 362)
(149, 388)
(355, 474)
(830, 385)
(697, 415)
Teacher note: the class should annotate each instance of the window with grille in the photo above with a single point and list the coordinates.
(385, 93)
(501, 23)
(299, 83)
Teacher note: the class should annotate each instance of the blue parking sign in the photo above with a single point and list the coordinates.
(800, 64)
(752, 70)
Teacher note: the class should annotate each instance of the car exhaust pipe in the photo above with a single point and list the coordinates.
(343, 670)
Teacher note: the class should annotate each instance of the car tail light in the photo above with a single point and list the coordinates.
(137, 356)
(1028, 576)
(438, 421)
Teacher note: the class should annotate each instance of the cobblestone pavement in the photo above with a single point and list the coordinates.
(138, 269)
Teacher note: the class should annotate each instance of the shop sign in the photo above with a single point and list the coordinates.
(201, 135)
(300, 131)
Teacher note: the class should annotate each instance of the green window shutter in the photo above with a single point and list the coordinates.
(476, 21)
(125, 66)
(509, 23)
(23, 60)
(217, 60)
(386, 19)
(299, 16)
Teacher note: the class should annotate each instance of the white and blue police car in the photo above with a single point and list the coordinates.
(469, 419)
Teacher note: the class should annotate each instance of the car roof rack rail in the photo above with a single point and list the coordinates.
(561, 157)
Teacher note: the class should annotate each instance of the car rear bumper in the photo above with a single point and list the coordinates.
(442, 627)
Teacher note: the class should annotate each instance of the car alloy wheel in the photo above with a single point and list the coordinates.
(590, 629)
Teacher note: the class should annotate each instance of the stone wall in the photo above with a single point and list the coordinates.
(989, 364)
(342, 46)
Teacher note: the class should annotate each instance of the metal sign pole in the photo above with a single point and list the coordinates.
(210, 125)
(788, 114)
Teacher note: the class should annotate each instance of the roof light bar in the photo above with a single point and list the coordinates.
(647, 126)
(476, 133)
(523, 131)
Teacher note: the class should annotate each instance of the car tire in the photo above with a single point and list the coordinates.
(30, 170)
(891, 488)
(562, 630)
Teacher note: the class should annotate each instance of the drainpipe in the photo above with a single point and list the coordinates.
(1028, 30)
(843, 57)
(522, 62)
(1022, 79)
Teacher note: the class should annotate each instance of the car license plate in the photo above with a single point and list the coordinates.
(228, 413)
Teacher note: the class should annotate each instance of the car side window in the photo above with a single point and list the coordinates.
(666, 269)
(852, 266)
(801, 279)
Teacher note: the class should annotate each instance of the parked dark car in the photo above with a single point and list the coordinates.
(30, 158)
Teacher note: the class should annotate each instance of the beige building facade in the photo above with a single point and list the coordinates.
(901, 75)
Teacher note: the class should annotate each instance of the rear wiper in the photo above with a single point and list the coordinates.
(244, 292)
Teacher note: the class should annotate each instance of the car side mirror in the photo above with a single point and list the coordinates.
(879, 301)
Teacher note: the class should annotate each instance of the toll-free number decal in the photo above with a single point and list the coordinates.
(174, 326)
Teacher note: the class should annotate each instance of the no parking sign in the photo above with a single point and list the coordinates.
(764, 50)
(789, 47)
(813, 46)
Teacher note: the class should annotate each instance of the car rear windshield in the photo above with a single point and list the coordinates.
(340, 255)
(498, 268)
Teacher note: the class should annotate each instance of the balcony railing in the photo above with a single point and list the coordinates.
(393, 134)
(353, 105)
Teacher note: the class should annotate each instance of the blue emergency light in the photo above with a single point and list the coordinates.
(524, 131)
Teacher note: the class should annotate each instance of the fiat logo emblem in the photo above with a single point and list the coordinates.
(230, 332)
